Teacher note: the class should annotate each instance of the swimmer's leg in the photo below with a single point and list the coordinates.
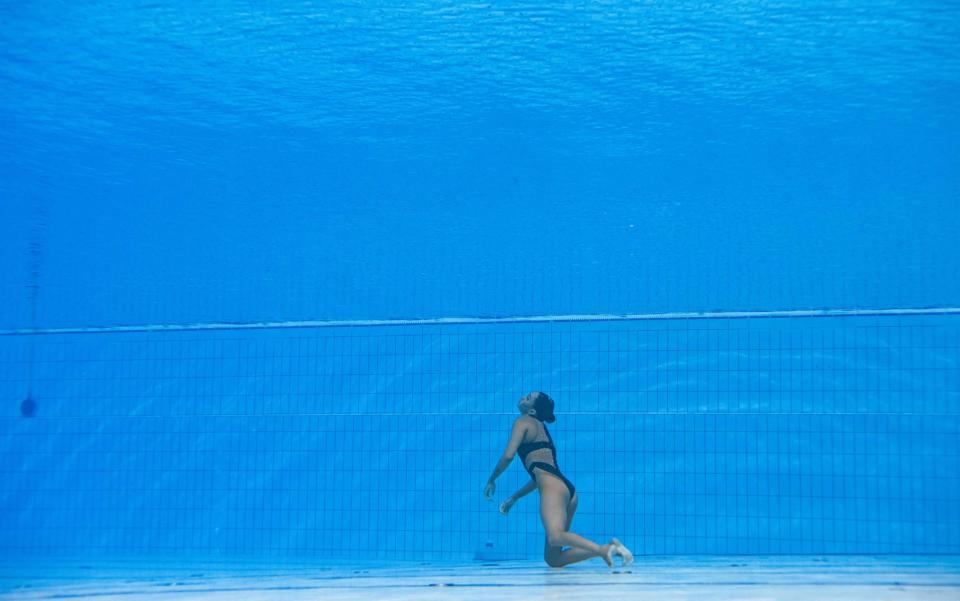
(556, 557)
(565, 558)
(554, 514)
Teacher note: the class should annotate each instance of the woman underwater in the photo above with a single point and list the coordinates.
(558, 496)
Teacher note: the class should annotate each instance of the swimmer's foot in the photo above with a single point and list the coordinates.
(606, 552)
(617, 547)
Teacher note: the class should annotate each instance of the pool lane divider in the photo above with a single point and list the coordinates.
(440, 321)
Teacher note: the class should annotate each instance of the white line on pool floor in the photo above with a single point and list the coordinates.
(872, 578)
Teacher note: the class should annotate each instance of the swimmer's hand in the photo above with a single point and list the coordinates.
(488, 491)
(506, 505)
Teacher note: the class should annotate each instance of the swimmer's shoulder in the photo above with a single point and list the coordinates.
(529, 424)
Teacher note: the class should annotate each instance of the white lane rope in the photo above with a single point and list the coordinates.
(596, 317)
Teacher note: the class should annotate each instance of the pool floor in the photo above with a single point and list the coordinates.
(871, 578)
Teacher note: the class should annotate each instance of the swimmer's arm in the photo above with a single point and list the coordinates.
(512, 499)
(516, 437)
(526, 490)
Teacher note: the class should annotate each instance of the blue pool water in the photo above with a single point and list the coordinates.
(173, 175)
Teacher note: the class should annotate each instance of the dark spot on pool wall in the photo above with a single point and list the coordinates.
(28, 407)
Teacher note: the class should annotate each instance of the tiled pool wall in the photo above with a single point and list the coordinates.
(709, 436)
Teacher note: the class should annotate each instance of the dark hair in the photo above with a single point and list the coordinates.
(544, 406)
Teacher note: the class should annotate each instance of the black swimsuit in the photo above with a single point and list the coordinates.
(536, 451)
